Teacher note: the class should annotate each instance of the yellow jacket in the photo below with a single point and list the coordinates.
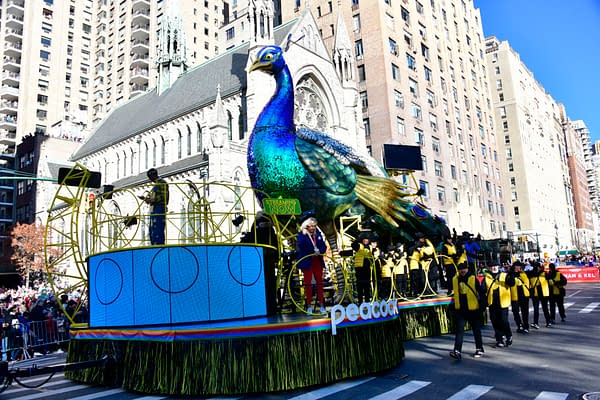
(521, 281)
(498, 285)
(539, 282)
(469, 289)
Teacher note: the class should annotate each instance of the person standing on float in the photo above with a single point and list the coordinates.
(310, 247)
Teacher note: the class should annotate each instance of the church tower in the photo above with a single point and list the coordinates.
(172, 59)
(260, 17)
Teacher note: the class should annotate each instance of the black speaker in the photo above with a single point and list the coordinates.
(398, 156)
(76, 177)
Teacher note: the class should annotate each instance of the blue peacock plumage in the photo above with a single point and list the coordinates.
(324, 174)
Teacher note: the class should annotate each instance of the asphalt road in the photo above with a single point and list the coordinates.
(554, 363)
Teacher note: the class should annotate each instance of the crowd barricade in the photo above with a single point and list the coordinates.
(21, 340)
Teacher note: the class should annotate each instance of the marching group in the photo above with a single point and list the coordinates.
(499, 289)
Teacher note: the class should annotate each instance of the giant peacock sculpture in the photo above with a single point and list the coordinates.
(324, 174)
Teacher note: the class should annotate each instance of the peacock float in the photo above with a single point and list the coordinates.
(327, 176)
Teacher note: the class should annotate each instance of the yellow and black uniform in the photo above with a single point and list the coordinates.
(362, 267)
(158, 199)
(557, 283)
(498, 286)
(449, 257)
(387, 265)
(539, 291)
(400, 272)
(467, 292)
(519, 294)
(420, 256)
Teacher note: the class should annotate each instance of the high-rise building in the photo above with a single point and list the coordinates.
(579, 159)
(533, 152)
(126, 44)
(422, 81)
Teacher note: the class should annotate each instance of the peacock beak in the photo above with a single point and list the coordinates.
(260, 66)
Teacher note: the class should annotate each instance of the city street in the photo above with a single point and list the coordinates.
(554, 363)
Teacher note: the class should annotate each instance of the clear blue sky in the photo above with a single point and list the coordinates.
(559, 41)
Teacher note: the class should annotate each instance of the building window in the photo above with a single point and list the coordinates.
(45, 55)
(179, 144)
(413, 87)
(416, 112)
(400, 126)
(419, 137)
(438, 168)
(453, 171)
(398, 99)
(364, 100)
(358, 48)
(441, 194)
(435, 144)
(425, 186)
(395, 72)
(367, 125)
(198, 138)
(230, 33)
(410, 62)
(393, 46)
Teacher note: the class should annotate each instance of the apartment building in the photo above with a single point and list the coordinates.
(533, 152)
(422, 79)
(578, 158)
(126, 44)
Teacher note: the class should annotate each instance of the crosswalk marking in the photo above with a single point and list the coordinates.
(471, 392)
(402, 390)
(329, 390)
(93, 396)
(589, 308)
(30, 382)
(567, 305)
(60, 391)
(552, 396)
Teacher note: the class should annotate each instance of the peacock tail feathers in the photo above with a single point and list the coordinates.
(384, 196)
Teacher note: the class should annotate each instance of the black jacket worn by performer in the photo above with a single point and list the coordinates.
(556, 283)
(519, 295)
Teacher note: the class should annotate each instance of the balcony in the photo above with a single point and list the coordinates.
(140, 46)
(140, 32)
(14, 35)
(140, 4)
(9, 107)
(139, 61)
(137, 89)
(10, 78)
(139, 76)
(8, 92)
(140, 17)
(13, 49)
(8, 122)
(16, 6)
(14, 22)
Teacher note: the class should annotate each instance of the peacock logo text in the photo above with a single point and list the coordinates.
(366, 311)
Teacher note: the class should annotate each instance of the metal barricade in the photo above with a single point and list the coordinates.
(21, 340)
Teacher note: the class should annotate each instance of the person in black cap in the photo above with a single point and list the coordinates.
(420, 256)
(467, 294)
(557, 282)
(363, 258)
(157, 198)
(519, 294)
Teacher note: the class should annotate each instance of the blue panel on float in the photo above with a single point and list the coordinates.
(166, 285)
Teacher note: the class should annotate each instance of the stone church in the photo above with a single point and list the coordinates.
(196, 123)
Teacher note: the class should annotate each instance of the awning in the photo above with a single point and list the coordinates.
(568, 252)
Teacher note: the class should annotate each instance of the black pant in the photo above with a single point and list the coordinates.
(520, 310)
(499, 319)
(363, 283)
(474, 318)
(417, 281)
(401, 284)
(557, 300)
(536, 309)
(450, 272)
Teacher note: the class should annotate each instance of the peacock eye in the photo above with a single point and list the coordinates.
(269, 57)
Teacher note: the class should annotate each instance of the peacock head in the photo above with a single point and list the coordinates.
(269, 59)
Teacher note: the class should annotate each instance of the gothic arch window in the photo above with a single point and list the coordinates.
(163, 151)
(189, 141)
(237, 181)
(153, 153)
(309, 108)
(179, 144)
(118, 169)
(229, 125)
(146, 156)
(105, 163)
(198, 138)
(240, 123)
(124, 163)
(262, 24)
(131, 161)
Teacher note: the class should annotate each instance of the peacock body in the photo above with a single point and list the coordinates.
(326, 175)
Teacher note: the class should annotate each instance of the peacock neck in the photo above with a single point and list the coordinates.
(279, 111)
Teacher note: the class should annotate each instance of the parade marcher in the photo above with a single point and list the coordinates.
(420, 257)
(158, 199)
(450, 256)
(310, 247)
(539, 291)
(472, 249)
(387, 266)
(467, 294)
(519, 294)
(497, 286)
(362, 267)
(400, 273)
(557, 283)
